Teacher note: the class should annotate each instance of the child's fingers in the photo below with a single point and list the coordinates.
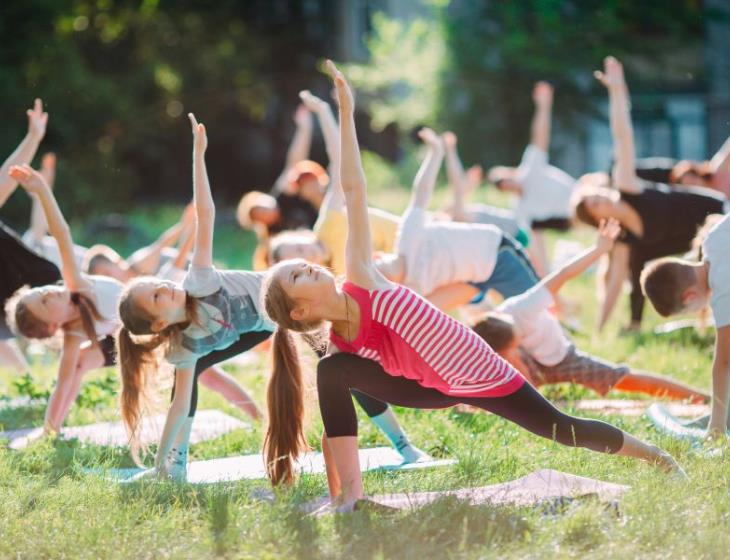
(38, 106)
(201, 128)
(193, 121)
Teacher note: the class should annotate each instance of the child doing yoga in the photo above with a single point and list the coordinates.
(526, 334)
(391, 344)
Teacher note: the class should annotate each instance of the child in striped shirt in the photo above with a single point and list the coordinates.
(407, 352)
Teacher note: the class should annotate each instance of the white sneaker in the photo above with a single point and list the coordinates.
(177, 464)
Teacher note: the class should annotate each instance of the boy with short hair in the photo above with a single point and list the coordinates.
(679, 286)
(527, 335)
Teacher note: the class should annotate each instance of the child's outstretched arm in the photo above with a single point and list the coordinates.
(34, 184)
(425, 180)
(720, 162)
(720, 383)
(299, 148)
(608, 231)
(146, 260)
(542, 96)
(334, 199)
(38, 223)
(37, 121)
(359, 264)
(610, 280)
(203, 200)
(455, 175)
(176, 415)
(624, 172)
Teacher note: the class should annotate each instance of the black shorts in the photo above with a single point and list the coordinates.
(557, 224)
(108, 348)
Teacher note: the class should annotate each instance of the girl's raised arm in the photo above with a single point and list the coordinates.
(34, 184)
(38, 224)
(425, 180)
(624, 173)
(358, 252)
(203, 200)
(334, 199)
(542, 96)
(299, 148)
(37, 121)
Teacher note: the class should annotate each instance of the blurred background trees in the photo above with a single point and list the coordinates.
(118, 78)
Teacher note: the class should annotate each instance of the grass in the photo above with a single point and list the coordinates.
(50, 509)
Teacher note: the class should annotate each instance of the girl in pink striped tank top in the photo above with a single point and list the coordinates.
(389, 343)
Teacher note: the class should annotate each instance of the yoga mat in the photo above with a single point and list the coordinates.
(529, 490)
(627, 407)
(682, 324)
(20, 402)
(208, 424)
(251, 467)
(667, 423)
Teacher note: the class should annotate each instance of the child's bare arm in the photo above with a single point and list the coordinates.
(202, 198)
(147, 259)
(38, 223)
(720, 162)
(24, 153)
(299, 148)
(624, 172)
(720, 382)
(452, 296)
(358, 252)
(176, 415)
(612, 281)
(542, 96)
(334, 199)
(455, 175)
(425, 180)
(34, 184)
(607, 234)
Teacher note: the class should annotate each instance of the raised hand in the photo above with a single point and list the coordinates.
(474, 177)
(542, 94)
(48, 163)
(429, 137)
(32, 181)
(608, 232)
(450, 139)
(345, 98)
(37, 120)
(188, 215)
(311, 101)
(302, 116)
(612, 76)
(200, 138)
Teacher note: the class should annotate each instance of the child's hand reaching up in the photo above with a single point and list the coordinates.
(430, 138)
(608, 232)
(613, 74)
(37, 120)
(32, 181)
(344, 93)
(311, 102)
(200, 138)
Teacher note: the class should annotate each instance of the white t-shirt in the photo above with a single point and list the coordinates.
(440, 253)
(228, 306)
(106, 293)
(48, 249)
(540, 333)
(716, 250)
(546, 190)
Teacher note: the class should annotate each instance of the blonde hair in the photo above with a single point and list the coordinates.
(138, 352)
(284, 440)
(99, 254)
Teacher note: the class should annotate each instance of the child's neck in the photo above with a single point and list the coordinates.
(345, 317)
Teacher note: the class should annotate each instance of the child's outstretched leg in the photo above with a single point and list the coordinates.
(659, 386)
(527, 408)
(217, 380)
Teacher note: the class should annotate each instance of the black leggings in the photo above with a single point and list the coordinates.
(338, 374)
(245, 342)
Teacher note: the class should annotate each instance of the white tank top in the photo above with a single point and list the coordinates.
(105, 292)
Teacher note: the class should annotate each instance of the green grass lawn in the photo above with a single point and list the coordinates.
(50, 509)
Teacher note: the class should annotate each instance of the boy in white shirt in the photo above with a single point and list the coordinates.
(679, 286)
(526, 334)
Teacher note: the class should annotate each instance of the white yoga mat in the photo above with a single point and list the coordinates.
(627, 407)
(208, 424)
(667, 423)
(532, 489)
(252, 466)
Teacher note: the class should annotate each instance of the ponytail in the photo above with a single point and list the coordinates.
(137, 361)
(284, 440)
(89, 313)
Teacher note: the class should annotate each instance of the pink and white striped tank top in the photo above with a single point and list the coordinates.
(411, 338)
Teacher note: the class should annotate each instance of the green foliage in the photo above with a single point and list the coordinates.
(100, 391)
(26, 386)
